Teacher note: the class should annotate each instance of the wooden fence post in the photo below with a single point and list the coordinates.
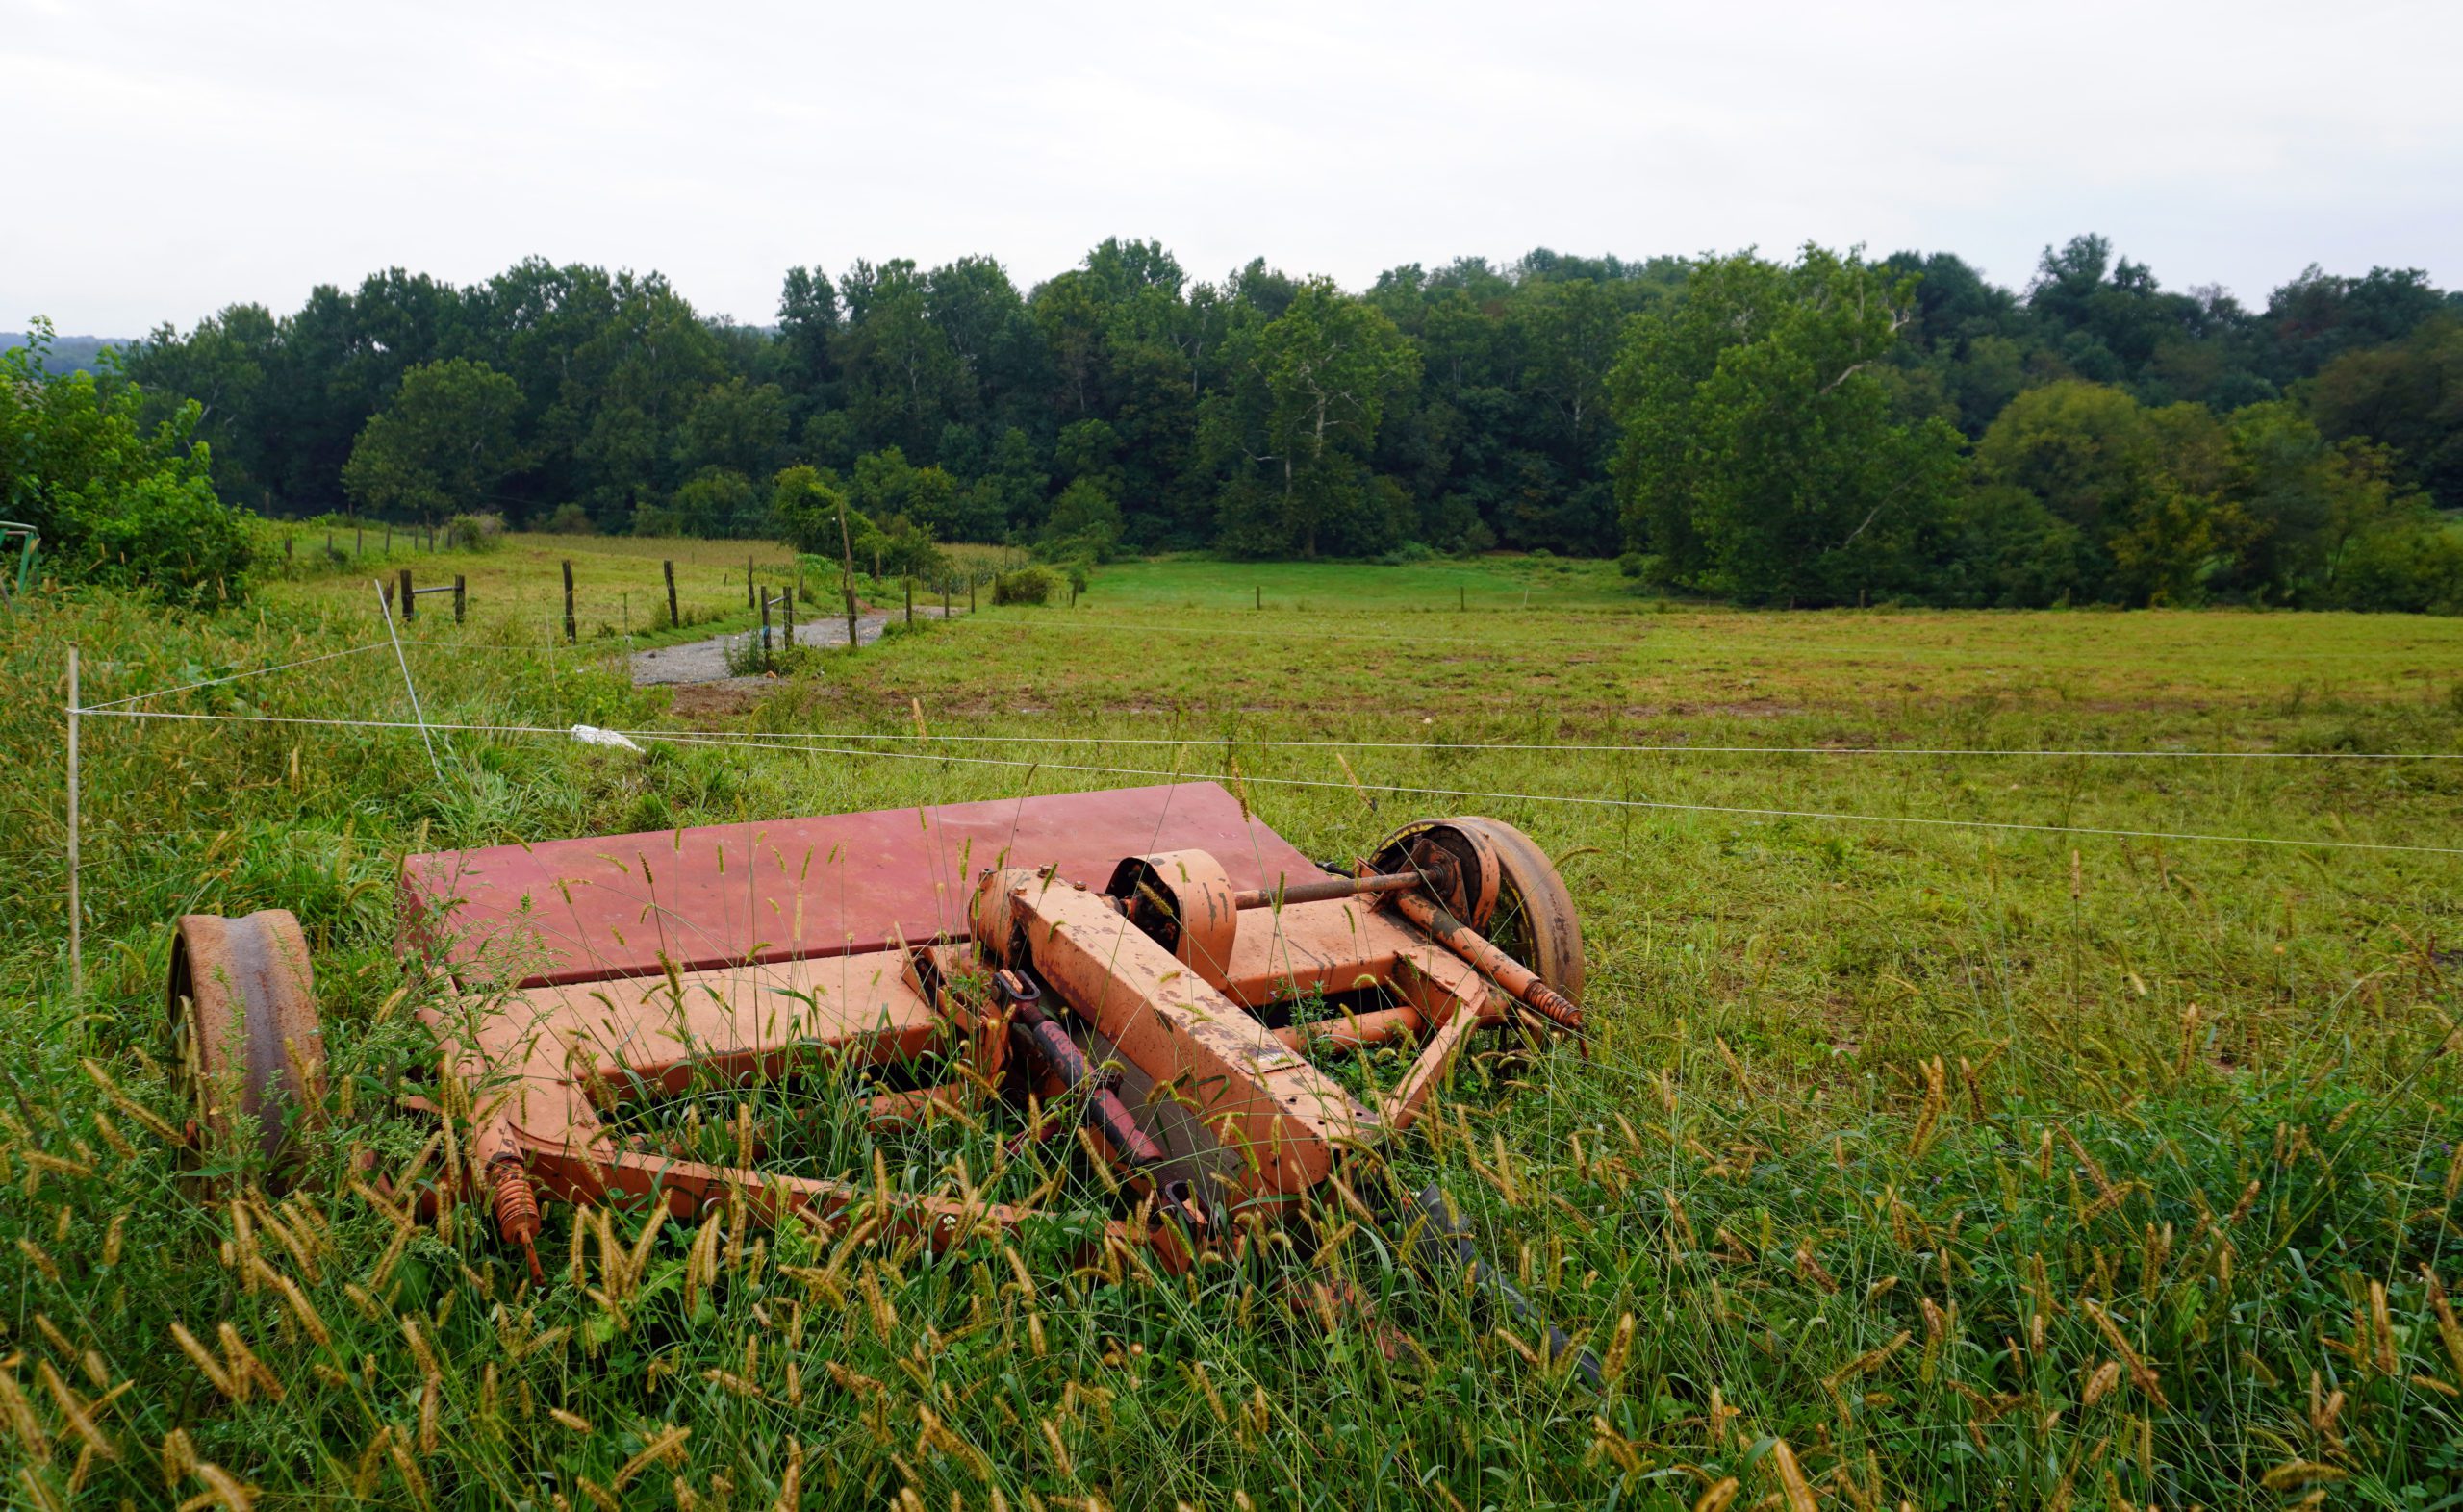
(765, 628)
(787, 599)
(410, 600)
(673, 617)
(1262, 596)
(748, 583)
(457, 599)
(573, 632)
(910, 599)
(970, 592)
(847, 555)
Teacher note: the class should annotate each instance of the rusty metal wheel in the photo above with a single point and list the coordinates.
(1496, 879)
(247, 1047)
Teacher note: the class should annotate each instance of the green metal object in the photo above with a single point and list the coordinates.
(27, 539)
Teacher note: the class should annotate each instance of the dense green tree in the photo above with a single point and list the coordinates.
(736, 425)
(1321, 376)
(231, 366)
(2407, 396)
(1085, 521)
(1760, 454)
(2310, 501)
(2151, 493)
(900, 375)
(714, 502)
(441, 446)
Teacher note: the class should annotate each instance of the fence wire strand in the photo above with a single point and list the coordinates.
(1237, 779)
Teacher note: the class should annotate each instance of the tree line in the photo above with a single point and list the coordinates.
(1818, 429)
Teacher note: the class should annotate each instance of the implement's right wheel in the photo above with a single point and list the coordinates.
(1496, 879)
(248, 1049)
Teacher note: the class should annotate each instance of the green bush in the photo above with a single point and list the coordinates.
(1030, 585)
(570, 519)
(114, 504)
(475, 532)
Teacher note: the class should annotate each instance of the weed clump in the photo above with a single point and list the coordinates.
(746, 659)
(484, 532)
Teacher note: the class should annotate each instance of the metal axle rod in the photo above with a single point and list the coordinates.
(1325, 891)
(1493, 963)
(1455, 936)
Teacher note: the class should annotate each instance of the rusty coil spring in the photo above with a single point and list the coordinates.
(517, 1206)
(517, 1209)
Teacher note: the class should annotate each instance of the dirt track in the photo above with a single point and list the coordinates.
(707, 661)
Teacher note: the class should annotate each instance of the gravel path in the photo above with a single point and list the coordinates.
(707, 661)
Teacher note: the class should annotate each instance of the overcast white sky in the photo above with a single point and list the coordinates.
(164, 160)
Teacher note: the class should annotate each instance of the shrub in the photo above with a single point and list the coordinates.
(1634, 563)
(2410, 567)
(475, 532)
(654, 520)
(570, 519)
(1030, 585)
(1407, 554)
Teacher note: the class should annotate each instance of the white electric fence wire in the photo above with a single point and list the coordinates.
(1543, 747)
(216, 682)
(1612, 750)
(680, 738)
(1605, 748)
(385, 607)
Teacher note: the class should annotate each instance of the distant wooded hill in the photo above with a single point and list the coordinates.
(69, 353)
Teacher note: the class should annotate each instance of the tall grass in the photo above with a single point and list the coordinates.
(1922, 1167)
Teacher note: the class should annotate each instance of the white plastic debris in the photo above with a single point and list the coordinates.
(592, 735)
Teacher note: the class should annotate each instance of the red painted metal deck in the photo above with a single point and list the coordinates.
(778, 890)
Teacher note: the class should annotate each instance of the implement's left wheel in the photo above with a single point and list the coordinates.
(248, 1049)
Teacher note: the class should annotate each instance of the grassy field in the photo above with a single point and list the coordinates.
(1920, 1163)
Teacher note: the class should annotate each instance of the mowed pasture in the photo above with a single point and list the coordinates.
(2079, 1162)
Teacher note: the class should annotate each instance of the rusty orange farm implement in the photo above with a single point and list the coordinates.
(1150, 973)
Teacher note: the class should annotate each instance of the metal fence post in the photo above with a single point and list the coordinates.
(76, 924)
